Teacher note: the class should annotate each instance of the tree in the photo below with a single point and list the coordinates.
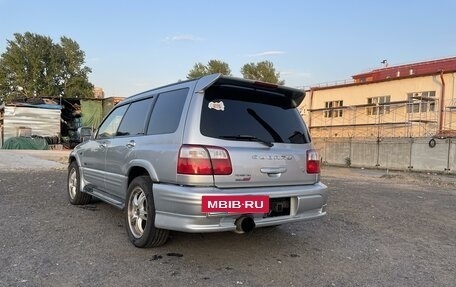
(74, 75)
(212, 67)
(34, 66)
(263, 71)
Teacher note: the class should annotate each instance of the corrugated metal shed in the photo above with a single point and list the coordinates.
(40, 120)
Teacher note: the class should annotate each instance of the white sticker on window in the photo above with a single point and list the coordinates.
(218, 106)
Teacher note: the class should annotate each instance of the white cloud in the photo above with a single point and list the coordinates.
(267, 53)
(182, 38)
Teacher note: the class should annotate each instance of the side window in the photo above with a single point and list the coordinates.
(134, 121)
(167, 112)
(108, 128)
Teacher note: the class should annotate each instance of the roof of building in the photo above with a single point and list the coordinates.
(417, 69)
(407, 70)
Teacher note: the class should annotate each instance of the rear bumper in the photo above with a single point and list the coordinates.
(179, 207)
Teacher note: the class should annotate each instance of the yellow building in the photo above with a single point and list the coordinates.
(412, 100)
(98, 93)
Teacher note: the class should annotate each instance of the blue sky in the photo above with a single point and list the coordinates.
(133, 46)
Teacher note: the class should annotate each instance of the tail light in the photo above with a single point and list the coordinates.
(312, 162)
(203, 160)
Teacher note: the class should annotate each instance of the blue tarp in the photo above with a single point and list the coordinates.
(41, 106)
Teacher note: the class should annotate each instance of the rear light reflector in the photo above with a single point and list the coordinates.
(312, 162)
(203, 160)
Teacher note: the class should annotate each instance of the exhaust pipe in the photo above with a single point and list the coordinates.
(244, 224)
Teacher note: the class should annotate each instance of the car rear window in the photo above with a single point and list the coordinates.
(230, 112)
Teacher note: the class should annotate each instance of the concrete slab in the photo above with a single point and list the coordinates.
(33, 159)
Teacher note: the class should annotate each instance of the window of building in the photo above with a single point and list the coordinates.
(421, 102)
(332, 109)
(381, 105)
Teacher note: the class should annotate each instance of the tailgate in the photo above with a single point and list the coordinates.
(258, 166)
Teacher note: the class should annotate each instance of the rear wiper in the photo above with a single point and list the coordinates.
(248, 138)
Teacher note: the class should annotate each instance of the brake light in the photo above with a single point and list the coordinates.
(312, 162)
(203, 160)
(266, 85)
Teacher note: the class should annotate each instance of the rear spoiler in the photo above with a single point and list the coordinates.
(295, 95)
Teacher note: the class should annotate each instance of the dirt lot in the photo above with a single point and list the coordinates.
(395, 229)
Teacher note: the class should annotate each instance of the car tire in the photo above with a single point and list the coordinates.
(75, 196)
(140, 215)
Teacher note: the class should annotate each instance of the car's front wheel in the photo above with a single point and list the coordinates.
(75, 196)
(140, 215)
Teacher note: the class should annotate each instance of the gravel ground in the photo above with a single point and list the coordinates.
(395, 229)
(33, 159)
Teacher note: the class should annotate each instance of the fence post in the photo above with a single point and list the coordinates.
(410, 166)
(378, 152)
(351, 149)
(447, 169)
(324, 151)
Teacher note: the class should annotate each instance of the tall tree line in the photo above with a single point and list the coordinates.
(261, 71)
(34, 66)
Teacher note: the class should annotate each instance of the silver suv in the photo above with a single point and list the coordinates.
(206, 155)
